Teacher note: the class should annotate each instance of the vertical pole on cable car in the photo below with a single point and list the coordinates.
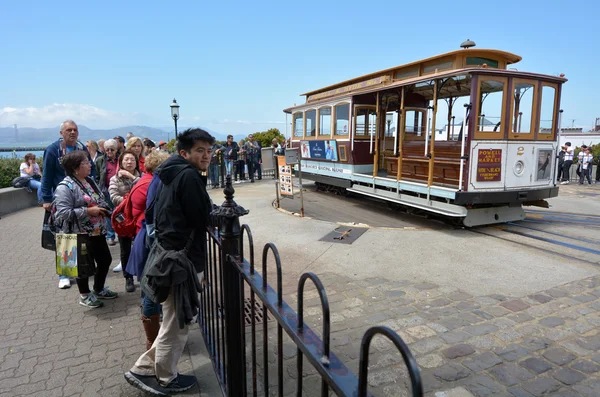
(431, 153)
(462, 147)
(376, 157)
(277, 183)
(560, 112)
(401, 131)
(301, 193)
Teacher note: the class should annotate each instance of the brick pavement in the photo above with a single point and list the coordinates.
(547, 343)
(50, 345)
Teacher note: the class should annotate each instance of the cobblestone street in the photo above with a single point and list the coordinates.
(545, 343)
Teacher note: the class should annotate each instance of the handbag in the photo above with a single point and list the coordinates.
(48, 239)
(73, 258)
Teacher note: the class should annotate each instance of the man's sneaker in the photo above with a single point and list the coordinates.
(64, 283)
(111, 242)
(564, 183)
(179, 384)
(129, 285)
(118, 268)
(106, 294)
(90, 301)
(146, 383)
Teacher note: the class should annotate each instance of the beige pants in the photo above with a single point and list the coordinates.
(161, 360)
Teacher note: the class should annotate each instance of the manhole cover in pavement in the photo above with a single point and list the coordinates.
(344, 234)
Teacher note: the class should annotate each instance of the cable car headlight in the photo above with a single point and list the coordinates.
(519, 168)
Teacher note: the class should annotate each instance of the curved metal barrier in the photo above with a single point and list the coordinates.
(225, 315)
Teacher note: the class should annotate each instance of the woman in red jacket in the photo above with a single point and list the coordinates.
(138, 196)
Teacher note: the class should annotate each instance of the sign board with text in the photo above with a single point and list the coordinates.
(489, 165)
(286, 188)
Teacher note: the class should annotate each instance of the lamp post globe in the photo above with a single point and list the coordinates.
(175, 113)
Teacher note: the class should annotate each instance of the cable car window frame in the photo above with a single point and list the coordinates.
(479, 134)
(552, 135)
(366, 136)
(306, 136)
(532, 128)
(295, 122)
(319, 134)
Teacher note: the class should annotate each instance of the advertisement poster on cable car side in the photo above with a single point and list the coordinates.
(319, 150)
(489, 165)
(286, 188)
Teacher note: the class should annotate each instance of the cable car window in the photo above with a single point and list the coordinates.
(366, 123)
(490, 108)
(325, 121)
(414, 124)
(522, 107)
(342, 113)
(311, 123)
(480, 61)
(548, 110)
(298, 124)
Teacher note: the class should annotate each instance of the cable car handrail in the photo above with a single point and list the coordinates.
(462, 148)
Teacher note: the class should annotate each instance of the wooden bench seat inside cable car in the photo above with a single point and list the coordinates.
(415, 165)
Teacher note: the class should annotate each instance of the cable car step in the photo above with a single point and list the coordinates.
(411, 201)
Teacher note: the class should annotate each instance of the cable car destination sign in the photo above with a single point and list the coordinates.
(489, 165)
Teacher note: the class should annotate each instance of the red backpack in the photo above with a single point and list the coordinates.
(122, 218)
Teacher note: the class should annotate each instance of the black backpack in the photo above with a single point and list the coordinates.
(21, 181)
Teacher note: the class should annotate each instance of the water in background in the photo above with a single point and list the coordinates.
(20, 155)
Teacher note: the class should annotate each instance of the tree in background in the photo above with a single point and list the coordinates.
(171, 146)
(265, 138)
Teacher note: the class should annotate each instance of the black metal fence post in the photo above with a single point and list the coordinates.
(229, 230)
(223, 168)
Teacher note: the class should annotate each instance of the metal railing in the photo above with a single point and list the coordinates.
(229, 278)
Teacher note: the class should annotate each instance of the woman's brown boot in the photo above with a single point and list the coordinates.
(151, 326)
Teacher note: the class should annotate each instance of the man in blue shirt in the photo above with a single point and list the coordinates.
(53, 172)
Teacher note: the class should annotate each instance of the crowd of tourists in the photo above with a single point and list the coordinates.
(132, 192)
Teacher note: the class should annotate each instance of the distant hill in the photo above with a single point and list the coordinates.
(44, 136)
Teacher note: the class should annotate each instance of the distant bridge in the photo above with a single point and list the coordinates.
(23, 149)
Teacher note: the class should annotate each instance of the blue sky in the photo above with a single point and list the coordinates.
(233, 66)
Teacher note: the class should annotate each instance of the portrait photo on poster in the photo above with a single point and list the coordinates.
(544, 166)
(319, 150)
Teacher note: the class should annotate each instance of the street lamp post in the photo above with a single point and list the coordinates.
(175, 114)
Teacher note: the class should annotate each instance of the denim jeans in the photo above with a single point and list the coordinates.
(213, 172)
(150, 308)
(230, 167)
(110, 232)
(37, 185)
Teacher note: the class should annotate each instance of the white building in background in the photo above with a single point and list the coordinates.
(451, 132)
(577, 137)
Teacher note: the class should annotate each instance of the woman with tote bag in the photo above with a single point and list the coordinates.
(80, 208)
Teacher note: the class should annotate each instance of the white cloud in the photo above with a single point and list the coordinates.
(96, 118)
(53, 115)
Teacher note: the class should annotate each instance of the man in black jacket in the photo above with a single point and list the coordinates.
(182, 212)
